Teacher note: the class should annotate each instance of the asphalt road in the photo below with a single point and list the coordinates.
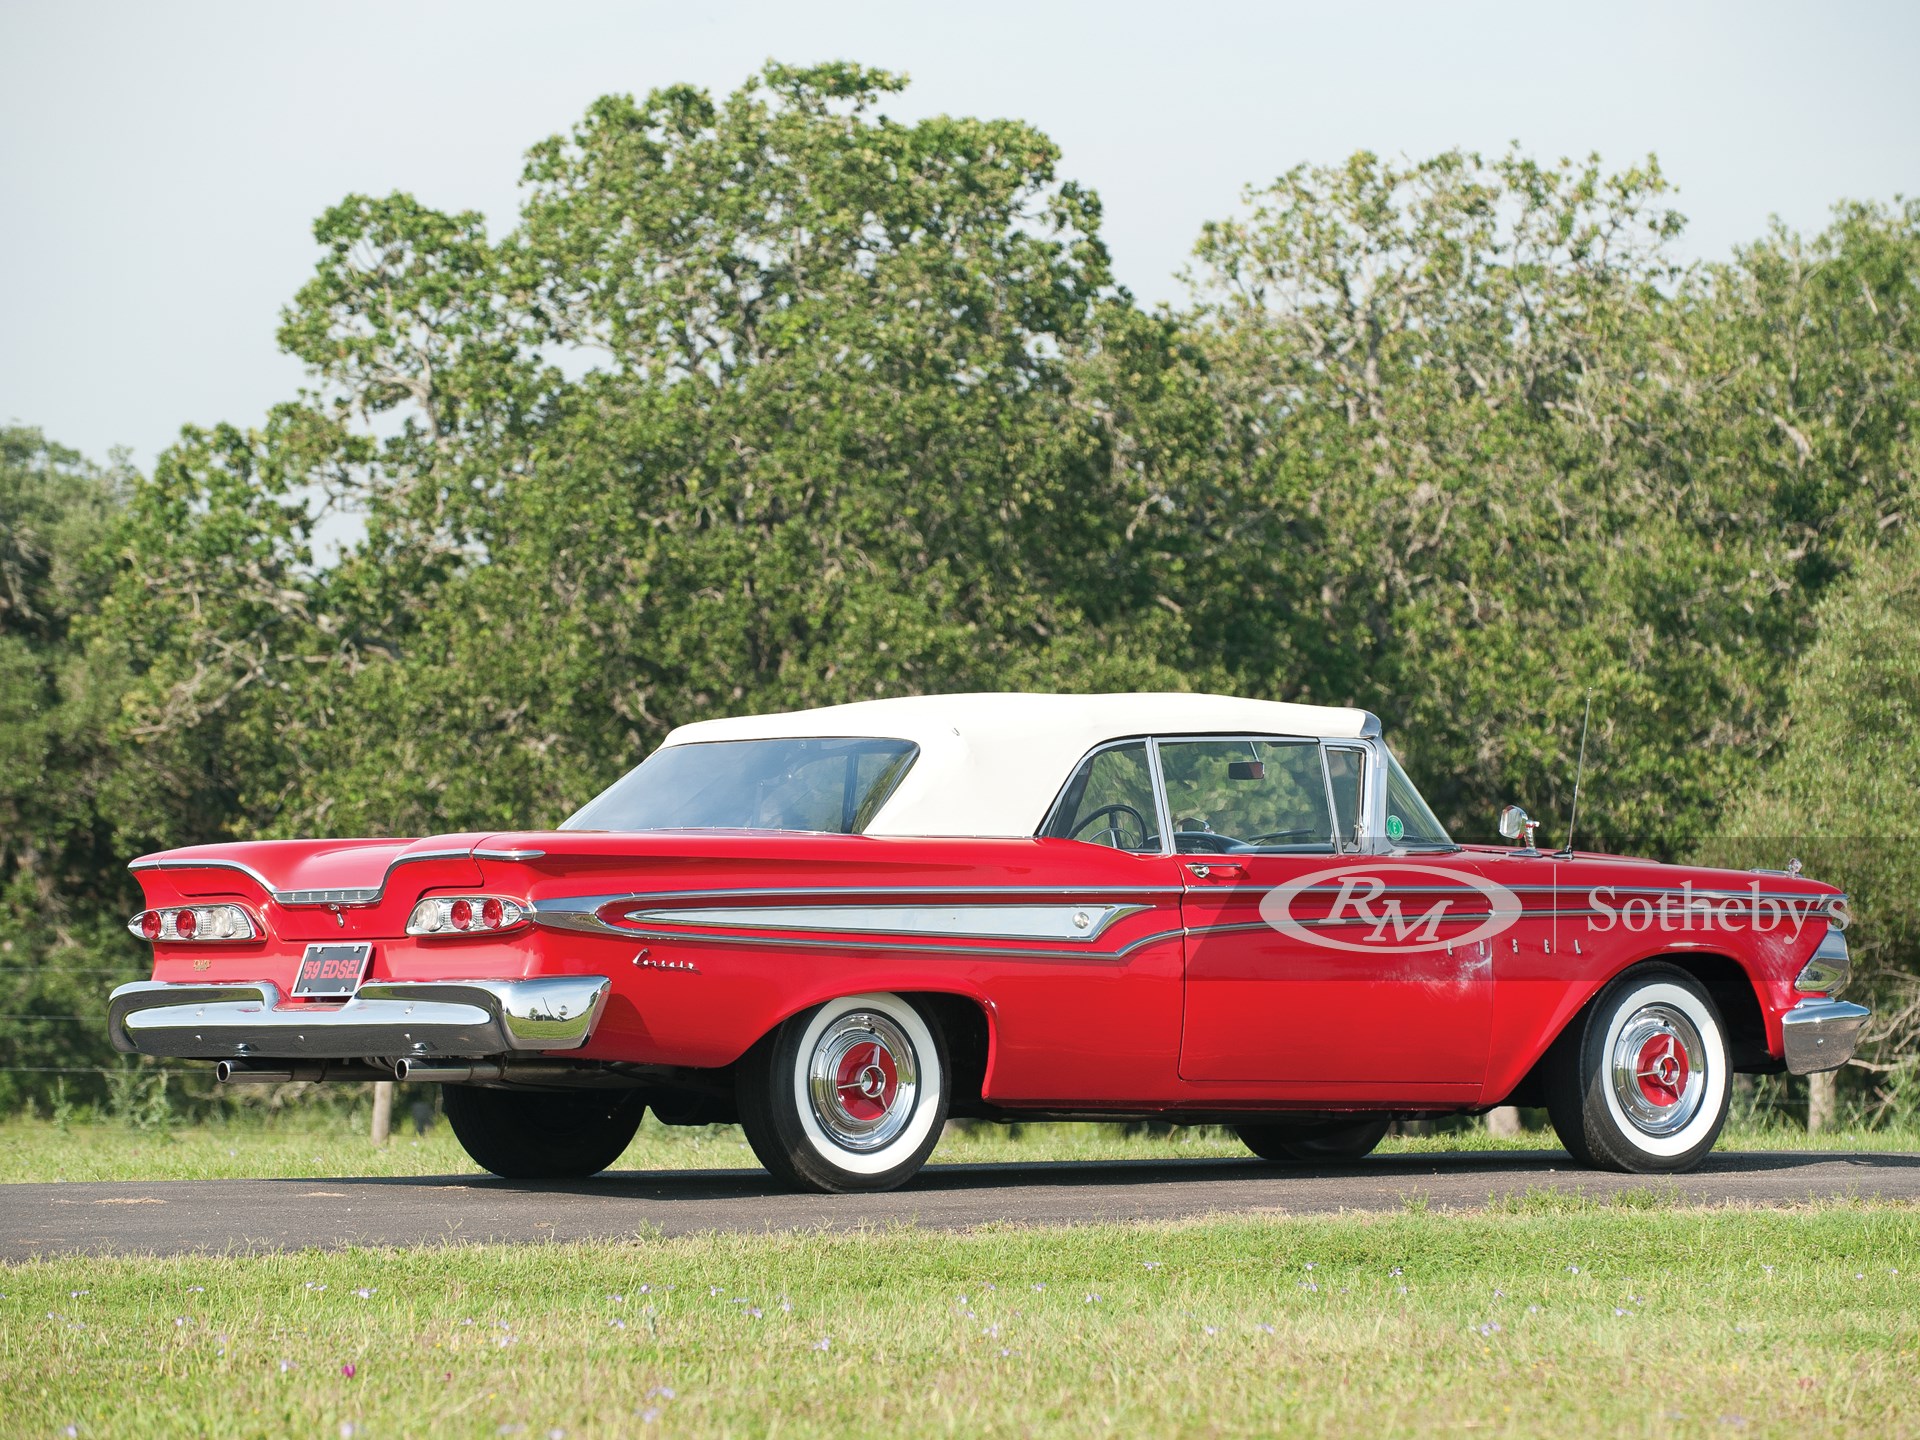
(182, 1216)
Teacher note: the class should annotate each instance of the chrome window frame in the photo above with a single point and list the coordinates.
(1363, 820)
(1153, 783)
(1320, 746)
(1372, 785)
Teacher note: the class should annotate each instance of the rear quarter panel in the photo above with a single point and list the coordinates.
(1092, 1020)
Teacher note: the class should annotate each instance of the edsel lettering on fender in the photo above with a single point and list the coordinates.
(841, 926)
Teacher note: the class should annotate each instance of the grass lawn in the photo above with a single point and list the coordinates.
(317, 1141)
(1547, 1316)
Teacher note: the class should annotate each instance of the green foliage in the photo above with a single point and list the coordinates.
(820, 442)
(1844, 796)
(1485, 417)
(61, 875)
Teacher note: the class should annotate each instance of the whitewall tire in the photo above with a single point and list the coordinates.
(1641, 1079)
(850, 1095)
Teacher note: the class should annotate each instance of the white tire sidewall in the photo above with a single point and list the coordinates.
(904, 1146)
(1713, 1041)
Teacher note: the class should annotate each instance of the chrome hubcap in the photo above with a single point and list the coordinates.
(1659, 1070)
(862, 1080)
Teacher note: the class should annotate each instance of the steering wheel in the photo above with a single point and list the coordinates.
(1113, 831)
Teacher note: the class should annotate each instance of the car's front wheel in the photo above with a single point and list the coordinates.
(847, 1096)
(543, 1134)
(1640, 1080)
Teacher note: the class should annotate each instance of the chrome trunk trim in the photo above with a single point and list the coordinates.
(350, 895)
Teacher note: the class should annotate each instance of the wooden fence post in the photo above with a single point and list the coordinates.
(1823, 1101)
(382, 1110)
(1503, 1122)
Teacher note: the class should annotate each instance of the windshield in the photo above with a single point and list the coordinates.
(1409, 821)
(835, 786)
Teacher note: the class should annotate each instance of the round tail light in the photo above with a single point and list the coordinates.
(491, 913)
(460, 914)
(150, 924)
(186, 924)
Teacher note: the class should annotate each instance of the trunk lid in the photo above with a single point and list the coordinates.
(316, 889)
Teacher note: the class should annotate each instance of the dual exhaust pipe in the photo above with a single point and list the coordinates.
(241, 1072)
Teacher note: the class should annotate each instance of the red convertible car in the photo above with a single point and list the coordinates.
(841, 927)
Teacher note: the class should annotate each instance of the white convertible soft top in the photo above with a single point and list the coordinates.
(992, 764)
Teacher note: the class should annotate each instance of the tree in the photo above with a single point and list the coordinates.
(61, 882)
(1844, 795)
(1478, 462)
(820, 442)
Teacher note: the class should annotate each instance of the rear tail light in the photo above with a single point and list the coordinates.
(202, 924)
(466, 915)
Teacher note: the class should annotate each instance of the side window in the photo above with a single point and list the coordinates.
(1409, 821)
(1228, 795)
(1346, 776)
(1109, 801)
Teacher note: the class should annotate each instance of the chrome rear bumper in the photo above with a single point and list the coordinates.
(1821, 1034)
(469, 1019)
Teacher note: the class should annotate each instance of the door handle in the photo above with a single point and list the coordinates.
(1225, 869)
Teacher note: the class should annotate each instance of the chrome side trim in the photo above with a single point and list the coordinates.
(465, 1018)
(1080, 923)
(813, 892)
(581, 912)
(903, 946)
(1821, 1034)
(1450, 919)
(509, 854)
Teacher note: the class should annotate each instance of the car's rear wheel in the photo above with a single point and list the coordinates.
(848, 1096)
(543, 1134)
(1640, 1080)
(1323, 1144)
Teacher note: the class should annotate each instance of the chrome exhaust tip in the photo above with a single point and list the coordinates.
(446, 1074)
(238, 1072)
(241, 1072)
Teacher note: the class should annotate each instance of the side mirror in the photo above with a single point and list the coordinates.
(1515, 825)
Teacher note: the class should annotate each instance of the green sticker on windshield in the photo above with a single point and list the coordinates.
(1394, 828)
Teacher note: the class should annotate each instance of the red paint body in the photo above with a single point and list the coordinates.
(1191, 1004)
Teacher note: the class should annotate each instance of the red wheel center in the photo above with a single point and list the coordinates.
(1662, 1070)
(866, 1081)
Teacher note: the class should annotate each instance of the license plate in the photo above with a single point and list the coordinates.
(332, 969)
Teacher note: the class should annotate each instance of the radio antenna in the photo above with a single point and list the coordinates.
(1578, 770)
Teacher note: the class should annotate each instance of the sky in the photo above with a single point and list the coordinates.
(161, 165)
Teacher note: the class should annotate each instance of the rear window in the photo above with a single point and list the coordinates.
(833, 786)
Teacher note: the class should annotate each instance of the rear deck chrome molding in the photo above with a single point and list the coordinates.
(465, 1018)
(338, 895)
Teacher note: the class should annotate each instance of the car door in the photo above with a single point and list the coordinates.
(1316, 956)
